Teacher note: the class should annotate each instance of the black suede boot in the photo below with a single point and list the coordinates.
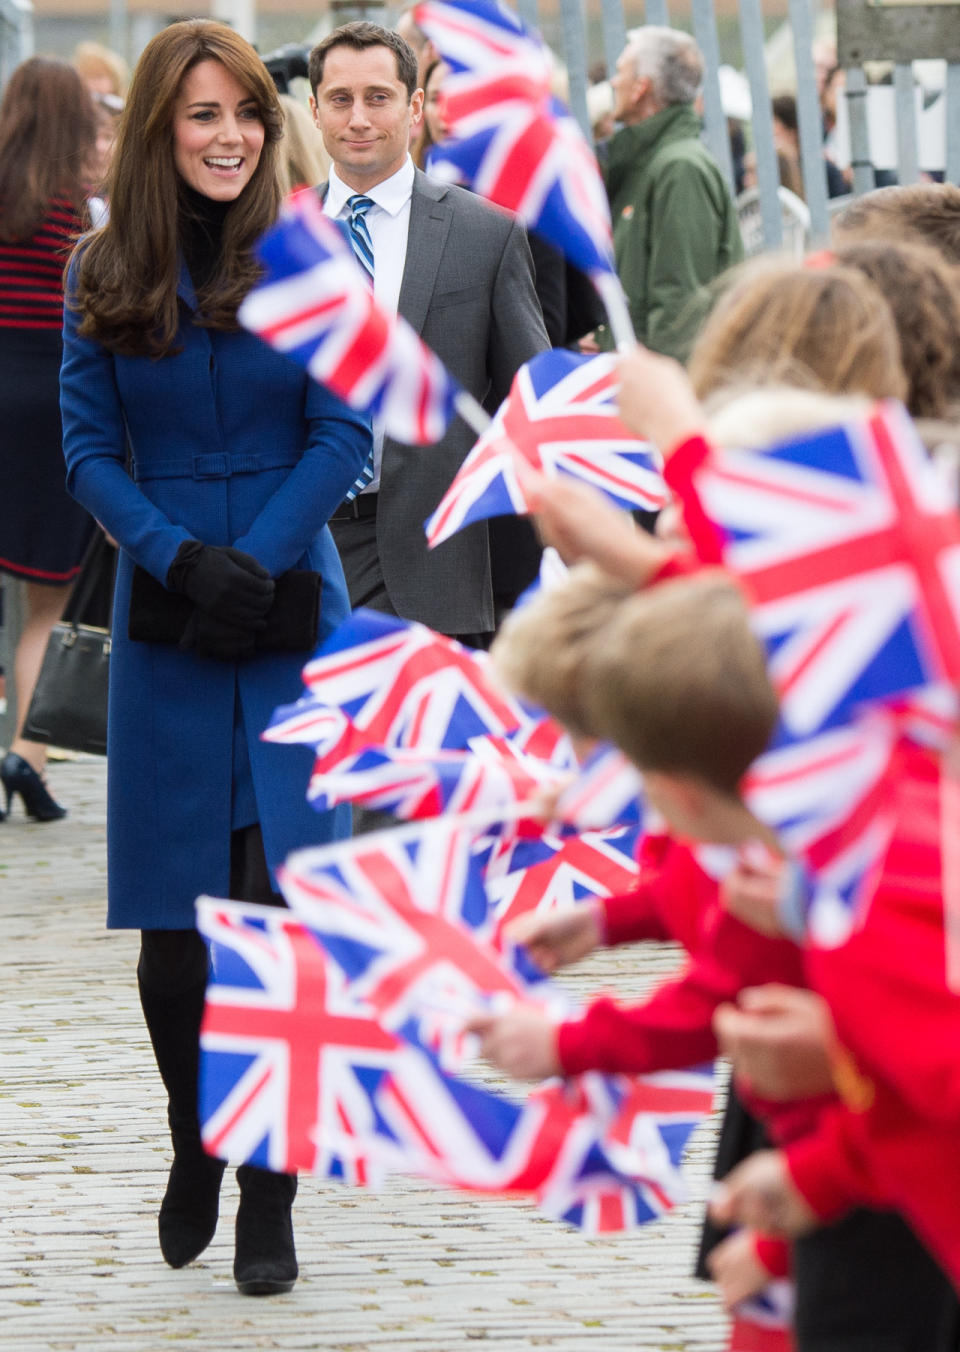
(191, 1204)
(265, 1262)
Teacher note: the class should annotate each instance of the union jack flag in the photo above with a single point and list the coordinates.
(297, 1074)
(510, 139)
(552, 1147)
(414, 785)
(607, 792)
(315, 305)
(288, 1054)
(482, 36)
(848, 545)
(405, 914)
(544, 740)
(829, 798)
(560, 417)
(554, 873)
(401, 685)
(643, 1124)
(308, 722)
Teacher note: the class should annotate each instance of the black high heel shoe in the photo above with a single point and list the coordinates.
(19, 776)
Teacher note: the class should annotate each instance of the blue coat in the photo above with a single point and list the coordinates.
(232, 445)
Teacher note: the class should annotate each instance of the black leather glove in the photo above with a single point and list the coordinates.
(209, 636)
(224, 582)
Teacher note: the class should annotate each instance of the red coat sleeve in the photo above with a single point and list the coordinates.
(773, 1253)
(673, 1028)
(829, 1166)
(634, 916)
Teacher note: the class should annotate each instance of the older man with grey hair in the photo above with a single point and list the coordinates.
(674, 223)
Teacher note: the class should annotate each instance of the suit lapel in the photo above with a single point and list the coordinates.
(430, 216)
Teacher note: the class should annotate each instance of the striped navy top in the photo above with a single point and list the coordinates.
(31, 271)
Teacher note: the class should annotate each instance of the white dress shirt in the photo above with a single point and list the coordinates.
(388, 222)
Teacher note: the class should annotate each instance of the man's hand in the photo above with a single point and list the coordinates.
(561, 938)
(761, 1194)
(657, 400)
(779, 1040)
(522, 1043)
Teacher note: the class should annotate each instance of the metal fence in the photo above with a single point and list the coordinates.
(867, 31)
(16, 35)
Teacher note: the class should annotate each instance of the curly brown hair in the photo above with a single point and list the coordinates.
(923, 293)
(127, 272)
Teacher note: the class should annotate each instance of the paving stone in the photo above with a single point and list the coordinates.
(408, 1269)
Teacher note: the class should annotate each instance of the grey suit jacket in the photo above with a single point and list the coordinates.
(468, 291)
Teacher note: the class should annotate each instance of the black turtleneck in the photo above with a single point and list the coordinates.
(201, 232)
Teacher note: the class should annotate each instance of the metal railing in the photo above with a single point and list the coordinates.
(876, 42)
(16, 35)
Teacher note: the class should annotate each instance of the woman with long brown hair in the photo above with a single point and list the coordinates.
(47, 139)
(215, 464)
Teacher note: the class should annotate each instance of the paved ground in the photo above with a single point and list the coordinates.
(83, 1159)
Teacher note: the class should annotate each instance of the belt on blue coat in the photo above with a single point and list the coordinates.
(216, 465)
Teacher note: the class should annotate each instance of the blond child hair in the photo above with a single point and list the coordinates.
(780, 323)
(540, 648)
(675, 677)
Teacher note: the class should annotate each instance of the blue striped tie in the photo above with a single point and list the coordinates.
(362, 246)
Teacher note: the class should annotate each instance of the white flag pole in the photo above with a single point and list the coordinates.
(472, 413)
(618, 312)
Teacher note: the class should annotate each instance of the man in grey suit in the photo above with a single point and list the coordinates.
(459, 271)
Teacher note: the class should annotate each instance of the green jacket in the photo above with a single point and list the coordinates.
(674, 225)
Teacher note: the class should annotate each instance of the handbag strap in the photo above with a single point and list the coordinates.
(89, 600)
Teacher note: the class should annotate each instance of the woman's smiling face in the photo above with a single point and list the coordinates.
(217, 132)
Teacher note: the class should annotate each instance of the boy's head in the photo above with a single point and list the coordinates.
(540, 649)
(675, 677)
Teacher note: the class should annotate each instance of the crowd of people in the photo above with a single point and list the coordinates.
(252, 509)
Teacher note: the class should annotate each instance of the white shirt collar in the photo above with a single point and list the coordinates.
(392, 194)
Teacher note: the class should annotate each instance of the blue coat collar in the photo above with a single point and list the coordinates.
(185, 288)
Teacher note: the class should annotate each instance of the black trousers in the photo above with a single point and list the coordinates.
(356, 543)
(867, 1284)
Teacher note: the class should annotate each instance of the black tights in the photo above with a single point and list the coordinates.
(175, 961)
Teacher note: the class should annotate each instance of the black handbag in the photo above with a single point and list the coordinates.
(69, 704)
(161, 616)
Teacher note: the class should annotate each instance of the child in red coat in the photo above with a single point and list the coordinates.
(676, 898)
(892, 1140)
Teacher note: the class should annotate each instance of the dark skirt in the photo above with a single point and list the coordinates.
(43, 531)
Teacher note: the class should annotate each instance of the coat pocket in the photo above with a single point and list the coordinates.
(442, 300)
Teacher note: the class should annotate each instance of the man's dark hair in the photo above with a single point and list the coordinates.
(359, 36)
(784, 109)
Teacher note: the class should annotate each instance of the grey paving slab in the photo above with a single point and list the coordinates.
(83, 1158)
